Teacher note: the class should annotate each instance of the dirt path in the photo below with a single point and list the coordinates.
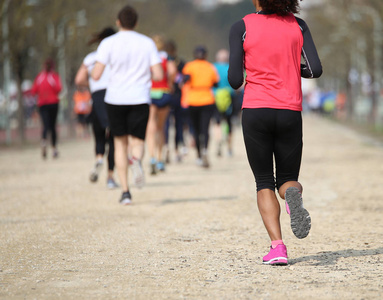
(191, 234)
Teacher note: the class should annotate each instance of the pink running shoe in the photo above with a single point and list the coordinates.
(300, 219)
(287, 208)
(276, 256)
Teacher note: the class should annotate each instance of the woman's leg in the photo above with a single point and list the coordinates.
(195, 118)
(288, 155)
(162, 114)
(288, 150)
(228, 118)
(151, 130)
(52, 123)
(270, 211)
(99, 137)
(179, 124)
(206, 114)
(258, 136)
(110, 142)
(44, 116)
(121, 160)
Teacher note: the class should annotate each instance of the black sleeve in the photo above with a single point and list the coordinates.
(235, 73)
(312, 67)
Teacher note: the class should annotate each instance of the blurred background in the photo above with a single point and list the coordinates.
(348, 35)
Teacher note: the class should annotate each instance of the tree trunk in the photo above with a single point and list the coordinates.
(20, 64)
(20, 112)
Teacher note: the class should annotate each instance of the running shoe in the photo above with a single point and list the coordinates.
(138, 172)
(161, 166)
(44, 149)
(219, 149)
(300, 219)
(167, 157)
(126, 198)
(199, 162)
(205, 161)
(44, 152)
(96, 170)
(277, 256)
(111, 184)
(153, 166)
(55, 154)
(179, 158)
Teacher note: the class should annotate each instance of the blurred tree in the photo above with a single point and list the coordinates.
(343, 32)
(60, 29)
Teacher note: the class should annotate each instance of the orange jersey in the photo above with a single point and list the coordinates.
(203, 76)
(82, 103)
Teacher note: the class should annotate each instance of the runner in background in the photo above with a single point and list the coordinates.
(270, 44)
(82, 108)
(133, 59)
(177, 113)
(160, 108)
(201, 77)
(47, 87)
(98, 117)
(224, 95)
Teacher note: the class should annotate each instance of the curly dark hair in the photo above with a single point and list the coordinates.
(281, 7)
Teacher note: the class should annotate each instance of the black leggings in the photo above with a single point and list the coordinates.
(227, 116)
(99, 124)
(48, 114)
(200, 117)
(272, 133)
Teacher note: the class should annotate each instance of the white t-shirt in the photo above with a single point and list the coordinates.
(130, 56)
(102, 83)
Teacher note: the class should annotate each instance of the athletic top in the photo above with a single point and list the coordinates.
(130, 56)
(47, 87)
(82, 102)
(178, 79)
(222, 69)
(203, 76)
(163, 85)
(269, 48)
(102, 83)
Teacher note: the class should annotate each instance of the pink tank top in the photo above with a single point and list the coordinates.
(272, 46)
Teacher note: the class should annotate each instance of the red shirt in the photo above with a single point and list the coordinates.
(272, 46)
(47, 86)
(162, 85)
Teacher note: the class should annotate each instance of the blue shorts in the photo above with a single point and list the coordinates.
(164, 101)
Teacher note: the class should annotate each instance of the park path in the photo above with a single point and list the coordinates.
(191, 233)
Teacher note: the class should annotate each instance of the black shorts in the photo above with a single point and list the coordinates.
(128, 119)
(82, 119)
(273, 133)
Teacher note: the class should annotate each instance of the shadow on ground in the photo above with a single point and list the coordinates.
(177, 201)
(331, 257)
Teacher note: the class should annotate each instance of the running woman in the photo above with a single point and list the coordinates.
(47, 87)
(133, 59)
(177, 116)
(201, 77)
(99, 117)
(160, 108)
(268, 45)
(224, 95)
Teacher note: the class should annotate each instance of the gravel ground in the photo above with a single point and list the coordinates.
(191, 233)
